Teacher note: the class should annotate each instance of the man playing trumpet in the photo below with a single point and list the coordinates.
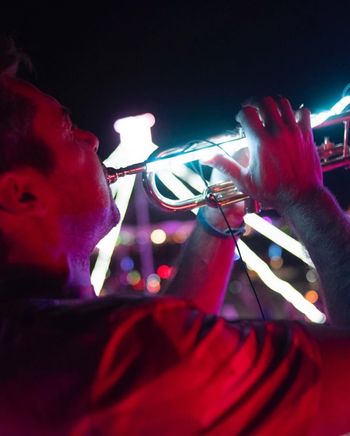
(75, 364)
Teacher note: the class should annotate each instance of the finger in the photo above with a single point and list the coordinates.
(303, 118)
(287, 113)
(269, 113)
(249, 119)
(228, 166)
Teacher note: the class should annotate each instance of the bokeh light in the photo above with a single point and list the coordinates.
(133, 277)
(139, 286)
(126, 263)
(311, 296)
(311, 276)
(158, 236)
(276, 262)
(164, 271)
(274, 251)
(153, 283)
(126, 238)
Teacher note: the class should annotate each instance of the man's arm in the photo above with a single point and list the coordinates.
(203, 269)
(325, 231)
(284, 172)
(205, 264)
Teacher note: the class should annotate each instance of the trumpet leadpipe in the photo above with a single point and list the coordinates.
(165, 159)
(113, 174)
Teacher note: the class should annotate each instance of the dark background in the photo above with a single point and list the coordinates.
(189, 63)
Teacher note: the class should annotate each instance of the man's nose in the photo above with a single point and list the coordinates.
(89, 138)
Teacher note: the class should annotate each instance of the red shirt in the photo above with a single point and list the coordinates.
(152, 367)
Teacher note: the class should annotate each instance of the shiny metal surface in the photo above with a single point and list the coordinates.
(332, 156)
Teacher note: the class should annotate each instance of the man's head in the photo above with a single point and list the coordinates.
(54, 196)
(16, 116)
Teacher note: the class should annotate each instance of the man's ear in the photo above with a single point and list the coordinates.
(23, 192)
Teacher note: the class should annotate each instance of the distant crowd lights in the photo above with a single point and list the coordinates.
(132, 277)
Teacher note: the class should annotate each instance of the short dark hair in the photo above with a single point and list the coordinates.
(18, 145)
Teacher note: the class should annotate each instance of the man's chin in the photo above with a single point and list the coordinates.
(113, 219)
(116, 215)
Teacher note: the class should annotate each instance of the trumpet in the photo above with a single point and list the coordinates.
(332, 156)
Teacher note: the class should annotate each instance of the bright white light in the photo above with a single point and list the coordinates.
(135, 141)
(232, 147)
(126, 126)
(185, 157)
(107, 244)
(278, 237)
(206, 152)
(280, 286)
(174, 185)
(191, 177)
(317, 119)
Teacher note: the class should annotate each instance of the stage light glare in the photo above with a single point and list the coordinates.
(280, 286)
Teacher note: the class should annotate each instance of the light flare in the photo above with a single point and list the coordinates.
(135, 140)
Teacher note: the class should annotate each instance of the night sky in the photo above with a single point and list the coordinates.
(189, 63)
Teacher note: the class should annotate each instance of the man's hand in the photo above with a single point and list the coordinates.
(234, 213)
(283, 166)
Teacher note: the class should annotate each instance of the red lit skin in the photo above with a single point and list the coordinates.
(284, 172)
(52, 234)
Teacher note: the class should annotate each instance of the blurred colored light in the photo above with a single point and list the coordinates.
(153, 283)
(133, 277)
(311, 276)
(311, 296)
(275, 251)
(126, 238)
(278, 237)
(153, 287)
(180, 236)
(126, 263)
(164, 271)
(276, 262)
(139, 286)
(229, 312)
(267, 219)
(158, 236)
